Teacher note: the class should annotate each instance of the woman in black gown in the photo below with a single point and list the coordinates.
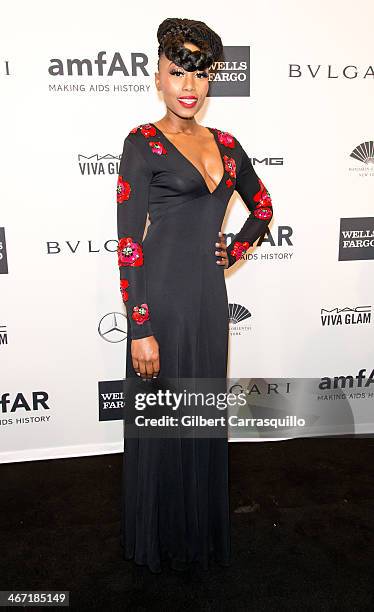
(175, 502)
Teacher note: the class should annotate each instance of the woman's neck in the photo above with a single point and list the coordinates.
(175, 125)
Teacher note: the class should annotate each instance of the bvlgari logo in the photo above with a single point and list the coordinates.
(363, 155)
(346, 316)
(94, 165)
(113, 327)
(78, 247)
(319, 71)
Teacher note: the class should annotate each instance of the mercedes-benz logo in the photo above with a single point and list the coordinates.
(113, 327)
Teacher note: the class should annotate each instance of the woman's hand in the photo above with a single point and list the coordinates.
(222, 244)
(145, 357)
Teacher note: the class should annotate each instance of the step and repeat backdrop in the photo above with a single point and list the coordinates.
(296, 89)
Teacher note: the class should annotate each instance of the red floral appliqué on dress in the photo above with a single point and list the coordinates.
(148, 130)
(123, 286)
(140, 314)
(239, 248)
(123, 190)
(157, 147)
(262, 213)
(130, 253)
(264, 206)
(226, 138)
(230, 165)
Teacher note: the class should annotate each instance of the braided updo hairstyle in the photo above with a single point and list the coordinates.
(172, 33)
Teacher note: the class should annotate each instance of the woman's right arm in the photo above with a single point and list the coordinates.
(133, 185)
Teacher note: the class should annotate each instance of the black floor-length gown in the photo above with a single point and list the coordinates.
(175, 499)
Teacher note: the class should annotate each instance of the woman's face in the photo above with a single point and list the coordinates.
(176, 84)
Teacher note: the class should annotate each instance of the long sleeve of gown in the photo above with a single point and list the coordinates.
(133, 184)
(257, 199)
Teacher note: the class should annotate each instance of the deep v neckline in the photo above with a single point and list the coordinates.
(189, 162)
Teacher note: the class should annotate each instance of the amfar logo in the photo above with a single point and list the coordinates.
(356, 240)
(99, 164)
(25, 411)
(363, 153)
(136, 64)
(282, 237)
(341, 382)
(238, 314)
(346, 316)
(3, 255)
(329, 72)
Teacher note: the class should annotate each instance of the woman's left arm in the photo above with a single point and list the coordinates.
(257, 199)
